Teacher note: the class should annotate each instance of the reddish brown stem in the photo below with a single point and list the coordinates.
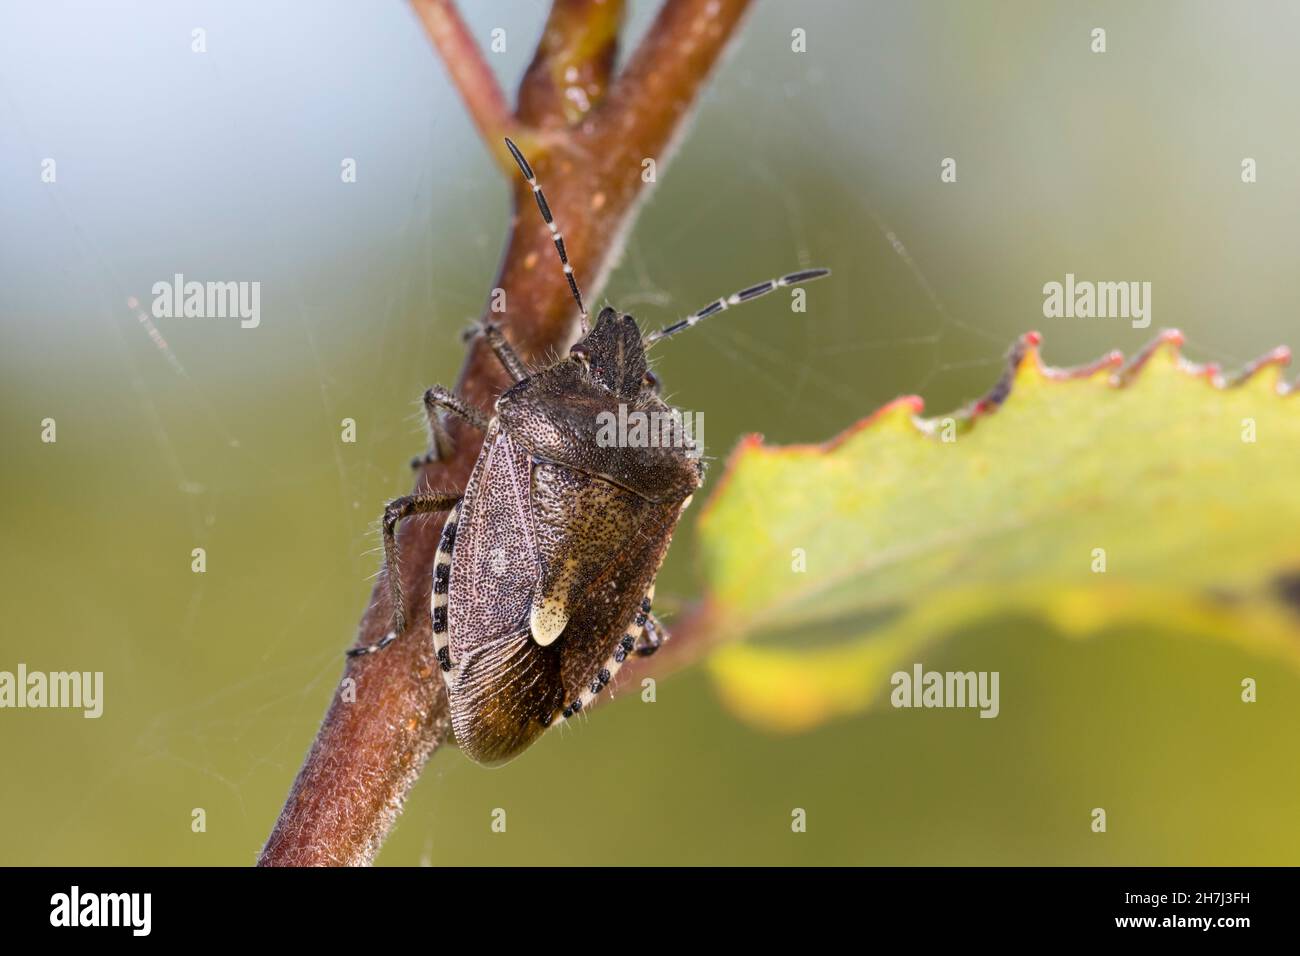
(470, 73)
(587, 140)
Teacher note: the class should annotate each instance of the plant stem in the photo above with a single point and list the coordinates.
(587, 140)
(470, 73)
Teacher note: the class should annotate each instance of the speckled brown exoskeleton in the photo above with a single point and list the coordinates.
(545, 572)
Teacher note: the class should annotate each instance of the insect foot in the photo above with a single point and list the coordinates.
(372, 648)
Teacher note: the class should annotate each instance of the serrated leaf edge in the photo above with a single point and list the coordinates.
(1027, 348)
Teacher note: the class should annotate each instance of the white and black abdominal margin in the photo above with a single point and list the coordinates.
(629, 644)
(622, 651)
(438, 599)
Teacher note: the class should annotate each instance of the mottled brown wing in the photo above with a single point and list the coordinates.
(504, 689)
(495, 559)
(601, 548)
(493, 567)
(519, 523)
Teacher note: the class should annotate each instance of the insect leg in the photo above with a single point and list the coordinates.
(510, 361)
(394, 512)
(652, 638)
(646, 635)
(436, 401)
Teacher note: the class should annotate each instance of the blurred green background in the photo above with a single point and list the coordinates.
(225, 165)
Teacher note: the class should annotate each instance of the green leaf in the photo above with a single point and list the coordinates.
(908, 536)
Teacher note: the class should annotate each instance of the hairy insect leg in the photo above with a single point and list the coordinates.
(505, 354)
(394, 512)
(436, 401)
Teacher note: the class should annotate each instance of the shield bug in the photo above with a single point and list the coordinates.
(544, 576)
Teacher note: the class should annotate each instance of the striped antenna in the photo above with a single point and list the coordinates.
(744, 295)
(556, 235)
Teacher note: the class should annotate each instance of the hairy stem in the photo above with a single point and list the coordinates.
(587, 133)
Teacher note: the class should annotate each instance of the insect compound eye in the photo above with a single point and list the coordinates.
(581, 355)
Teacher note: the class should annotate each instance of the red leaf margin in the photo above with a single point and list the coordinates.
(1024, 349)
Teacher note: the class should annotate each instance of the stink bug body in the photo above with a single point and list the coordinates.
(545, 572)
